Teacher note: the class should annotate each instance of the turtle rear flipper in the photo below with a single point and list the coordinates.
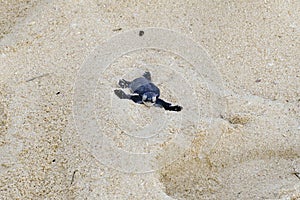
(147, 75)
(122, 95)
(123, 83)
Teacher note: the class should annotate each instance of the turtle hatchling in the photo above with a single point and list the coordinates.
(144, 92)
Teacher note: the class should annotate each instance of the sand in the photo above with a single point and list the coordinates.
(233, 66)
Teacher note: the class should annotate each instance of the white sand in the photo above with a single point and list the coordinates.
(238, 136)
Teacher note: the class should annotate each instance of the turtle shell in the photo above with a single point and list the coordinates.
(142, 85)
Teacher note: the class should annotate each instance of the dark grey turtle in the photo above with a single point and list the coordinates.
(144, 92)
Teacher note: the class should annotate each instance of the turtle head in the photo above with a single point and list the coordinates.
(149, 98)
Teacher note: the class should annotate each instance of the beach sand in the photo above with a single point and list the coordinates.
(232, 65)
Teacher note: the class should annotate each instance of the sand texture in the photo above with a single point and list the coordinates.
(232, 65)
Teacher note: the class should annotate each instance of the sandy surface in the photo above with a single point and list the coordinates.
(233, 66)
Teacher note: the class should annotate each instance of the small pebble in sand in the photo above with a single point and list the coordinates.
(141, 33)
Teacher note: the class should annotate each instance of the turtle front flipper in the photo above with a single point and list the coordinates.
(167, 106)
(136, 99)
(122, 95)
(147, 75)
(123, 83)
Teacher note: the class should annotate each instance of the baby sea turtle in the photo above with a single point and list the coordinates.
(144, 92)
